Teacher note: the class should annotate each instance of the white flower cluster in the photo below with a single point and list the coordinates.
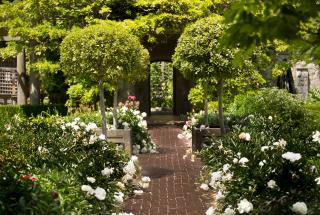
(99, 192)
(300, 208)
(244, 136)
(186, 132)
(272, 184)
(316, 136)
(244, 206)
(146, 145)
(130, 169)
(291, 156)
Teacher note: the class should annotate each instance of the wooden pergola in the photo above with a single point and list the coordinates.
(12, 78)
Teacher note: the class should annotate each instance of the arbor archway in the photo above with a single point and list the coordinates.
(162, 51)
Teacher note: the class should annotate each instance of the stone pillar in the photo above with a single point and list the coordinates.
(142, 92)
(181, 88)
(21, 70)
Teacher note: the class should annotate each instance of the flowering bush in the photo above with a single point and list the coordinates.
(262, 167)
(129, 117)
(49, 166)
(132, 118)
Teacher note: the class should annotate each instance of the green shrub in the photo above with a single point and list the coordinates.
(283, 107)
(314, 95)
(7, 112)
(45, 161)
(250, 163)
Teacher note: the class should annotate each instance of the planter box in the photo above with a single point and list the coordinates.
(119, 136)
(202, 137)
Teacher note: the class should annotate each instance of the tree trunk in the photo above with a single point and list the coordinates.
(115, 108)
(103, 109)
(206, 117)
(221, 117)
(34, 83)
(22, 87)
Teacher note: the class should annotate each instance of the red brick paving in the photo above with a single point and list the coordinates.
(172, 189)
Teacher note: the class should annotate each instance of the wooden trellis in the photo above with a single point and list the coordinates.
(8, 85)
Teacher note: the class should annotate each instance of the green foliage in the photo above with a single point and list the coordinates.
(283, 107)
(159, 19)
(196, 97)
(105, 52)
(314, 95)
(80, 96)
(197, 54)
(255, 23)
(264, 150)
(9, 111)
(161, 75)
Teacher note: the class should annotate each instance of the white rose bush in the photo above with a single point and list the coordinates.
(67, 166)
(265, 167)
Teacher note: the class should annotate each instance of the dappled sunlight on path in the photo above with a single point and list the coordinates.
(172, 189)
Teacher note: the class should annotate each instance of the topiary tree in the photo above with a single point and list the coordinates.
(104, 52)
(198, 56)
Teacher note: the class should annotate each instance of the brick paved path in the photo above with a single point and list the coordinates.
(172, 189)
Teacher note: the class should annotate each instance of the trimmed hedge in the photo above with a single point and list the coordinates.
(30, 110)
(8, 111)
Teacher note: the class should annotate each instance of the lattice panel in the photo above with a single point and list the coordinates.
(8, 82)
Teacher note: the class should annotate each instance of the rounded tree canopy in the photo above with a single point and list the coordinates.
(106, 51)
(198, 53)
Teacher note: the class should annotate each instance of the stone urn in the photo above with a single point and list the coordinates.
(202, 137)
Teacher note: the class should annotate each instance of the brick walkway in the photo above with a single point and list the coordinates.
(172, 189)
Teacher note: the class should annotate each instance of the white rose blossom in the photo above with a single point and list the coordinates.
(280, 143)
(210, 211)
(317, 180)
(145, 179)
(102, 137)
(316, 136)
(244, 206)
(300, 208)
(91, 179)
(243, 161)
(244, 136)
(291, 156)
(107, 171)
(100, 193)
(229, 211)
(88, 189)
(235, 160)
(204, 187)
(219, 195)
(138, 192)
(272, 184)
(264, 148)
(225, 167)
(130, 168)
(119, 197)
(91, 126)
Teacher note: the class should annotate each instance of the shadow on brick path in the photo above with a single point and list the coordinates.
(172, 189)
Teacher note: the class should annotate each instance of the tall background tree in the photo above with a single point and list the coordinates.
(105, 52)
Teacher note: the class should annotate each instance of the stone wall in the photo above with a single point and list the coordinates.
(305, 77)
